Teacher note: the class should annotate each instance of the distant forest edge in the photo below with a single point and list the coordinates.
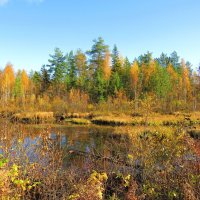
(102, 79)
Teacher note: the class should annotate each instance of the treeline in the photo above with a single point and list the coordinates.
(100, 75)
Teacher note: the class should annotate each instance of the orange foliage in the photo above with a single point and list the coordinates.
(25, 81)
(148, 70)
(7, 80)
(80, 60)
(175, 80)
(185, 78)
(106, 66)
(172, 72)
(134, 73)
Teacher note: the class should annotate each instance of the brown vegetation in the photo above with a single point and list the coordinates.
(34, 117)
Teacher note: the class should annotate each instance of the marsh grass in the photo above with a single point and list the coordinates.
(112, 120)
(80, 121)
(154, 162)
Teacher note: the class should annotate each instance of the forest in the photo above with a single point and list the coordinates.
(96, 126)
(83, 80)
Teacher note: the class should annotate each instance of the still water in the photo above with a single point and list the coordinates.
(27, 143)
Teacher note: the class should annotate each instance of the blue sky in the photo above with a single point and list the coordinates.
(31, 29)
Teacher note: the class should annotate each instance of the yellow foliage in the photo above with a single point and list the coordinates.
(185, 78)
(172, 73)
(7, 80)
(148, 71)
(106, 66)
(134, 74)
(25, 81)
(93, 189)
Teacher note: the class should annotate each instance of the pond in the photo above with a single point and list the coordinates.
(67, 159)
(33, 143)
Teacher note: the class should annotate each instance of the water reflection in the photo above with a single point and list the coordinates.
(29, 143)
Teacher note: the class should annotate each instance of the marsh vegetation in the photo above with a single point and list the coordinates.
(66, 161)
(86, 128)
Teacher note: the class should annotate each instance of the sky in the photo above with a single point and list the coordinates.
(30, 30)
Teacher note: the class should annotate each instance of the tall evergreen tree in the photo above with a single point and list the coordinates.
(163, 60)
(97, 57)
(71, 78)
(116, 62)
(174, 59)
(45, 79)
(126, 79)
(145, 59)
(36, 80)
(57, 66)
(57, 70)
(116, 80)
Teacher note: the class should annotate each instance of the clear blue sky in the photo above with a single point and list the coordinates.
(31, 29)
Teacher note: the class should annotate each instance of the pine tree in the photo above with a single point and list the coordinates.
(116, 62)
(57, 70)
(126, 78)
(36, 81)
(175, 61)
(98, 54)
(45, 79)
(71, 78)
(116, 82)
(164, 60)
(145, 59)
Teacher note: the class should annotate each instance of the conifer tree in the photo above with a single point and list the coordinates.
(97, 57)
(71, 78)
(116, 73)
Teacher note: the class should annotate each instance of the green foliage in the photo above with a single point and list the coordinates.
(13, 181)
(115, 84)
(82, 70)
(18, 90)
(93, 188)
(174, 85)
(57, 68)
(161, 82)
(145, 59)
(164, 60)
(45, 79)
(99, 86)
(71, 79)
(3, 161)
(97, 54)
(116, 74)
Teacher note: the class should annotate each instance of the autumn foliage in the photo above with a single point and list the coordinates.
(97, 76)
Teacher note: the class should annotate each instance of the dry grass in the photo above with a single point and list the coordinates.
(112, 120)
(150, 162)
(80, 121)
(33, 117)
